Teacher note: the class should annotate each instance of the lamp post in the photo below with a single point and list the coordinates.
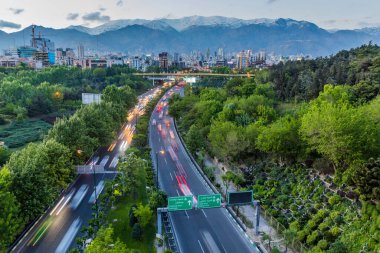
(79, 153)
(96, 199)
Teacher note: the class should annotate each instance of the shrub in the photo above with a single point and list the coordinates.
(311, 224)
(301, 235)
(333, 200)
(311, 239)
(322, 244)
(209, 171)
(136, 231)
(335, 231)
(323, 226)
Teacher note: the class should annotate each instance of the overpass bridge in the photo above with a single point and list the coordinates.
(158, 75)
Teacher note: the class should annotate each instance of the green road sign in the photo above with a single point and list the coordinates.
(209, 201)
(180, 203)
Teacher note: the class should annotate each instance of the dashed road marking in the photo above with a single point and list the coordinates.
(200, 245)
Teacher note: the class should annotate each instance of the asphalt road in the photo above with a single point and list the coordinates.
(201, 230)
(57, 229)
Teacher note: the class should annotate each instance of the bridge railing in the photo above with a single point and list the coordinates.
(89, 169)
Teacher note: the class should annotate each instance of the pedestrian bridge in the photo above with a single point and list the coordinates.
(94, 169)
(174, 75)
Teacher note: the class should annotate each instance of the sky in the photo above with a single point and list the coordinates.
(328, 14)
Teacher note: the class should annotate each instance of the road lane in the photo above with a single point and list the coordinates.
(209, 230)
(54, 227)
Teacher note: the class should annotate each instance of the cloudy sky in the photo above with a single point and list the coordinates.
(329, 14)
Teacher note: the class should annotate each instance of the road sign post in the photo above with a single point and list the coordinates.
(209, 201)
(180, 203)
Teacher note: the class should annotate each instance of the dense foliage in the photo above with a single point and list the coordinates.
(132, 198)
(334, 137)
(303, 80)
(53, 92)
(35, 176)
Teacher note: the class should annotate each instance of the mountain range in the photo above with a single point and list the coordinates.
(135, 36)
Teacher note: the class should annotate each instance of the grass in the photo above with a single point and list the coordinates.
(122, 230)
(18, 134)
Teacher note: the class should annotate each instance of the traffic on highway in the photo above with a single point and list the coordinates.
(57, 229)
(196, 230)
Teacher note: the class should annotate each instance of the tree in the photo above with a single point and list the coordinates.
(227, 140)
(267, 237)
(143, 214)
(38, 174)
(128, 173)
(367, 178)
(132, 216)
(194, 139)
(104, 242)
(289, 236)
(227, 179)
(4, 155)
(122, 96)
(337, 130)
(10, 223)
(136, 232)
(72, 132)
(157, 199)
(281, 138)
(99, 74)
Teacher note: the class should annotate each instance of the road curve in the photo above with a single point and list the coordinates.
(197, 230)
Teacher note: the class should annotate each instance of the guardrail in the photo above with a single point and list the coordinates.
(213, 188)
(41, 217)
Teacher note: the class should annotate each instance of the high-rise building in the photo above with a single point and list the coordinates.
(164, 60)
(242, 60)
(80, 51)
(220, 54)
(136, 63)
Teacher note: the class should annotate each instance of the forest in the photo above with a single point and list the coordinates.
(305, 137)
(33, 176)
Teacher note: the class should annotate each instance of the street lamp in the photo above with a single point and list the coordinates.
(79, 153)
(162, 152)
(96, 199)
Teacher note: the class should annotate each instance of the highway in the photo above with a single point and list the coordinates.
(57, 229)
(201, 230)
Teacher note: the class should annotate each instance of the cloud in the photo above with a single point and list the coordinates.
(364, 24)
(16, 11)
(96, 17)
(120, 3)
(72, 16)
(271, 1)
(10, 25)
(330, 22)
(102, 9)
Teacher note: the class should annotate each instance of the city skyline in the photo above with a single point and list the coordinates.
(340, 14)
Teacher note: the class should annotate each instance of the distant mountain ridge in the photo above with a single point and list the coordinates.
(135, 36)
(177, 24)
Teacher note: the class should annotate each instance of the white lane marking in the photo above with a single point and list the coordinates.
(204, 213)
(200, 245)
(187, 215)
(166, 161)
(69, 236)
(68, 197)
(177, 192)
(224, 249)
(171, 175)
(159, 139)
(52, 211)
